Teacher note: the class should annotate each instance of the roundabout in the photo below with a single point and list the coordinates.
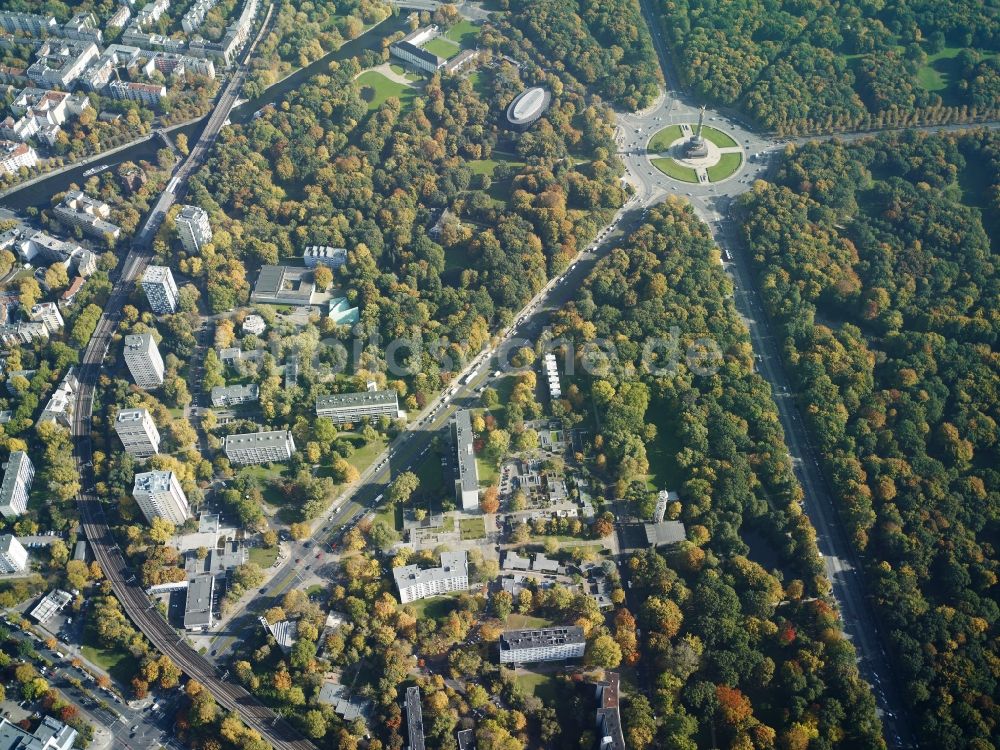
(698, 155)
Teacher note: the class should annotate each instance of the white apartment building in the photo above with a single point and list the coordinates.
(353, 407)
(144, 361)
(27, 23)
(259, 447)
(18, 475)
(410, 49)
(254, 324)
(78, 209)
(161, 289)
(159, 495)
(13, 555)
(414, 583)
(51, 734)
(61, 61)
(544, 644)
(15, 155)
(144, 93)
(193, 228)
(233, 395)
(48, 314)
(138, 433)
(315, 255)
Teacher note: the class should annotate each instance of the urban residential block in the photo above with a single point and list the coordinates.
(159, 495)
(193, 228)
(353, 407)
(138, 433)
(13, 555)
(259, 447)
(414, 583)
(544, 644)
(18, 475)
(144, 361)
(161, 290)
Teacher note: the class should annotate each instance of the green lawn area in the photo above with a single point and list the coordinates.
(671, 168)
(267, 477)
(472, 528)
(662, 452)
(376, 88)
(523, 622)
(539, 685)
(487, 472)
(728, 164)
(364, 453)
(716, 136)
(455, 257)
(119, 664)
(391, 515)
(663, 138)
(464, 32)
(480, 82)
(429, 473)
(434, 607)
(263, 556)
(442, 48)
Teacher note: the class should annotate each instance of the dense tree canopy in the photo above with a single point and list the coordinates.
(886, 289)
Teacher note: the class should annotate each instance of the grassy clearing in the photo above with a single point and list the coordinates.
(663, 138)
(523, 622)
(263, 556)
(487, 472)
(464, 33)
(541, 686)
(376, 88)
(716, 136)
(727, 166)
(472, 528)
(442, 48)
(431, 478)
(664, 474)
(364, 452)
(480, 82)
(435, 607)
(671, 168)
(120, 665)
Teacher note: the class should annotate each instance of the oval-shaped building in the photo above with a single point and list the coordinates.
(527, 107)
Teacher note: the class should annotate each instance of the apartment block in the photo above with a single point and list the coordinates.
(259, 447)
(543, 644)
(193, 228)
(161, 289)
(60, 62)
(149, 94)
(78, 209)
(15, 155)
(18, 475)
(316, 255)
(144, 361)
(27, 23)
(138, 433)
(467, 483)
(414, 583)
(13, 555)
(48, 314)
(159, 495)
(233, 395)
(353, 407)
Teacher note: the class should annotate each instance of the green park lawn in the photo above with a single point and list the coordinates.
(434, 607)
(464, 32)
(119, 664)
(523, 622)
(671, 168)
(472, 528)
(442, 48)
(716, 136)
(365, 453)
(263, 556)
(539, 685)
(376, 88)
(727, 166)
(663, 138)
(487, 472)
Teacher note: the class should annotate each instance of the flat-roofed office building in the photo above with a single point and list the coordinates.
(198, 607)
(259, 447)
(353, 407)
(138, 433)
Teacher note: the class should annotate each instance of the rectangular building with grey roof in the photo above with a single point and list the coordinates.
(18, 475)
(542, 644)
(353, 407)
(231, 395)
(467, 483)
(414, 583)
(259, 447)
(198, 607)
